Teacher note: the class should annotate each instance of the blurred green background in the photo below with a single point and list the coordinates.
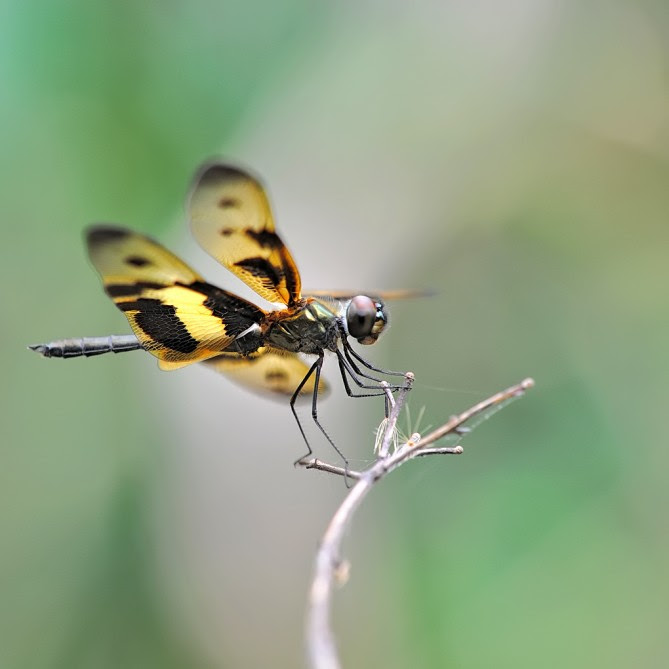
(514, 157)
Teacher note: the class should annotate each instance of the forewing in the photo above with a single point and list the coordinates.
(176, 315)
(123, 256)
(232, 220)
(268, 371)
(382, 294)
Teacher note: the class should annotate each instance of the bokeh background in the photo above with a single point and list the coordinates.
(512, 156)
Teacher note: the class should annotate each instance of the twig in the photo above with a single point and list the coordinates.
(315, 463)
(329, 565)
(394, 413)
(495, 402)
(444, 450)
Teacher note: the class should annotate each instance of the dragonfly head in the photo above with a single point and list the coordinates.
(365, 319)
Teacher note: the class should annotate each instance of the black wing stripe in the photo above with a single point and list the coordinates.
(263, 269)
(160, 322)
(267, 239)
(235, 312)
(131, 289)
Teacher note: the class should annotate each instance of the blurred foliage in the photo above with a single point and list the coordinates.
(516, 160)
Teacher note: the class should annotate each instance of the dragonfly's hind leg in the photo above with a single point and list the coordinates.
(314, 369)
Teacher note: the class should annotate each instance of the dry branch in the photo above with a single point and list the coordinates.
(329, 567)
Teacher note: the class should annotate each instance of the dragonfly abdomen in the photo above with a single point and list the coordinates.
(87, 346)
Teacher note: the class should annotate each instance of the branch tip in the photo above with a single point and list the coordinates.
(330, 569)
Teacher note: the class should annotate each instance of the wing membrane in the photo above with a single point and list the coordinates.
(174, 313)
(232, 220)
(382, 294)
(269, 371)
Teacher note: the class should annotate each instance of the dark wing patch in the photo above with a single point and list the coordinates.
(137, 261)
(232, 220)
(176, 315)
(115, 290)
(229, 203)
(237, 314)
(160, 323)
(265, 238)
(261, 269)
(102, 234)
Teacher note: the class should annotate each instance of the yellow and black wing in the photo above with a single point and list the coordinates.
(174, 313)
(232, 220)
(268, 371)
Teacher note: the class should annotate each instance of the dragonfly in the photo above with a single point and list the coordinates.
(180, 318)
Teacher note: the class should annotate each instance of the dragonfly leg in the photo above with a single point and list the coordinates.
(314, 369)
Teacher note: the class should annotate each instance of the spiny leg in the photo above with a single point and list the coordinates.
(293, 399)
(350, 350)
(347, 361)
(314, 410)
(351, 365)
(316, 367)
(386, 391)
(346, 369)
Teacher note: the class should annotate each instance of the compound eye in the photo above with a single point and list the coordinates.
(360, 316)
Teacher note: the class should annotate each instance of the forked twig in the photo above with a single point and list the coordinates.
(330, 567)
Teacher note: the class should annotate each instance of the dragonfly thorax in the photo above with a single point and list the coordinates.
(313, 329)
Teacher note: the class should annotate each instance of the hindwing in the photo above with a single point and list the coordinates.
(268, 370)
(174, 313)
